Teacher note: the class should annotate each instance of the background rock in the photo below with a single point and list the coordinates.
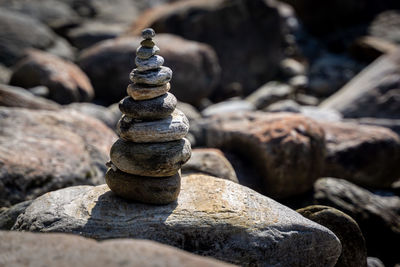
(228, 106)
(99, 112)
(9, 216)
(270, 93)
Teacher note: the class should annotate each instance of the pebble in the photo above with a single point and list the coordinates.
(147, 43)
(151, 109)
(148, 33)
(153, 62)
(174, 127)
(140, 92)
(158, 76)
(146, 52)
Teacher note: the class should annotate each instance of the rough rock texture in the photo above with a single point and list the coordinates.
(195, 66)
(141, 92)
(223, 25)
(210, 161)
(9, 216)
(66, 82)
(366, 155)
(354, 252)
(279, 146)
(377, 215)
(19, 32)
(374, 92)
(212, 217)
(159, 76)
(33, 249)
(42, 151)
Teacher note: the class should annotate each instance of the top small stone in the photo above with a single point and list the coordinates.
(148, 33)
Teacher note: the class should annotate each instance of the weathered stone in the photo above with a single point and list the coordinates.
(173, 127)
(20, 249)
(153, 62)
(147, 43)
(158, 76)
(42, 151)
(377, 215)
(210, 161)
(99, 112)
(66, 82)
(212, 217)
(147, 52)
(152, 190)
(228, 106)
(354, 252)
(366, 155)
(140, 92)
(9, 216)
(150, 159)
(270, 93)
(152, 109)
(148, 33)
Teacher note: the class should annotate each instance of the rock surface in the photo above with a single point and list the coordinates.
(66, 82)
(227, 106)
(20, 249)
(212, 217)
(9, 216)
(270, 93)
(42, 151)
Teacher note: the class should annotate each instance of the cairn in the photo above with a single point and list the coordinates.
(146, 159)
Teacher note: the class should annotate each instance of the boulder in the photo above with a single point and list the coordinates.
(66, 81)
(365, 155)
(212, 217)
(195, 67)
(246, 34)
(377, 214)
(20, 249)
(43, 150)
(101, 113)
(354, 252)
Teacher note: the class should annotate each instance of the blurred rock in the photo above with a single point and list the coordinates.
(11, 96)
(9, 216)
(191, 112)
(42, 151)
(369, 48)
(307, 100)
(374, 92)
(354, 252)
(321, 114)
(374, 262)
(195, 66)
(99, 112)
(393, 125)
(386, 26)
(209, 161)
(291, 67)
(212, 217)
(279, 146)
(227, 106)
(378, 216)
(66, 81)
(246, 34)
(284, 106)
(366, 155)
(17, 249)
(270, 93)
(5, 74)
(19, 32)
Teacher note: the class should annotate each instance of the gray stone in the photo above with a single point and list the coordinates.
(270, 93)
(150, 63)
(144, 52)
(374, 262)
(147, 43)
(151, 159)
(228, 106)
(9, 216)
(141, 92)
(158, 76)
(148, 33)
(5, 74)
(212, 217)
(284, 106)
(173, 127)
(152, 109)
(152, 190)
(191, 112)
(19, 249)
(321, 114)
(99, 112)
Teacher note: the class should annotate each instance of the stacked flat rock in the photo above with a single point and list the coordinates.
(146, 159)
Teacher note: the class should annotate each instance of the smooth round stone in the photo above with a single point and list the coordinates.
(158, 76)
(140, 92)
(148, 33)
(150, 159)
(151, 190)
(151, 109)
(147, 43)
(174, 127)
(146, 52)
(151, 63)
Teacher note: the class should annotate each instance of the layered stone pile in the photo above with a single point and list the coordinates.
(146, 159)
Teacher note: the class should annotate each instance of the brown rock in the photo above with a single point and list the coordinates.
(66, 82)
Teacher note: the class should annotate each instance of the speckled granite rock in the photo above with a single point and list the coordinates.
(211, 217)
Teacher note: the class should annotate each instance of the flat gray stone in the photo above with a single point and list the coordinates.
(150, 63)
(212, 217)
(150, 159)
(174, 127)
(141, 92)
(158, 76)
(146, 52)
(152, 109)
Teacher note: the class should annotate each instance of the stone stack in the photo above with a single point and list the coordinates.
(146, 159)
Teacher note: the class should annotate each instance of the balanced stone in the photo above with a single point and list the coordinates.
(148, 33)
(153, 190)
(151, 109)
(153, 62)
(174, 127)
(150, 159)
(147, 43)
(158, 76)
(146, 52)
(143, 92)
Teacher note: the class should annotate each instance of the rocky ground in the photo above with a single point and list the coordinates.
(294, 112)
